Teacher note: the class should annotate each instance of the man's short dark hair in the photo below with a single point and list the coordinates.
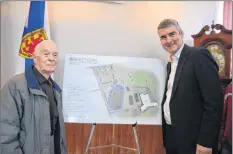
(168, 23)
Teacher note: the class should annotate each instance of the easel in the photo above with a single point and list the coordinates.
(104, 146)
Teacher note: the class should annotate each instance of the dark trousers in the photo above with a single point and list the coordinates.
(172, 147)
(180, 151)
(57, 149)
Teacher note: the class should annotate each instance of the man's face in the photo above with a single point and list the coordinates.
(46, 58)
(171, 39)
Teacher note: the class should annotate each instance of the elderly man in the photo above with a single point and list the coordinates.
(31, 120)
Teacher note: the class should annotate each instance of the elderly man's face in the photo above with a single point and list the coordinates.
(46, 58)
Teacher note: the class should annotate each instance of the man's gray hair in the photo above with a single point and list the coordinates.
(168, 23)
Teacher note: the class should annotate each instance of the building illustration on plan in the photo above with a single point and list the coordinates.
(127, 92)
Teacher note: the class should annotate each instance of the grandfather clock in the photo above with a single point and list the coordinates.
(218, 40)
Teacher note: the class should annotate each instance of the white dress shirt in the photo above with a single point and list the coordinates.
(174, 63)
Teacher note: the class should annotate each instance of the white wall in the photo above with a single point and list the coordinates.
(13, 17)
(127, 29)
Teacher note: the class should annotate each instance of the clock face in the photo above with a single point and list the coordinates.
(218, 56)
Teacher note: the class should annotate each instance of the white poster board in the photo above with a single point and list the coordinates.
(113, 90)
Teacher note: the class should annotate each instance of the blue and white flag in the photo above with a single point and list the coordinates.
(36, 30)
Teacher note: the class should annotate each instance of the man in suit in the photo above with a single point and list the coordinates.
(193, 100)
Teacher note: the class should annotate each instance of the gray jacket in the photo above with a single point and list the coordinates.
(25, 119)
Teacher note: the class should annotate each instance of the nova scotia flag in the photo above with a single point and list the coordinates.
(36, 30)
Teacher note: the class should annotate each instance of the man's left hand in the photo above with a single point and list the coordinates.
(203, 150)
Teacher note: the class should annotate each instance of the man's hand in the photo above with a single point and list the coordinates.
(203, 150)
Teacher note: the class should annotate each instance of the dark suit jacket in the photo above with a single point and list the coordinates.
(197, 100)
